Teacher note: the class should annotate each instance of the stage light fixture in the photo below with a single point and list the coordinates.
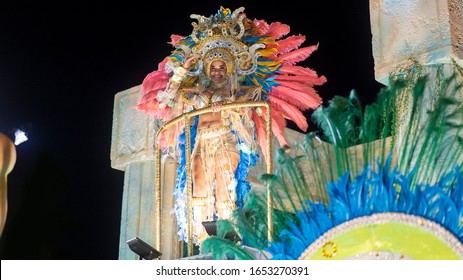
(211, 229)
(143, 249)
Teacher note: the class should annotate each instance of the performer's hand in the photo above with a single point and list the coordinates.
(216, 107)
(190, 61)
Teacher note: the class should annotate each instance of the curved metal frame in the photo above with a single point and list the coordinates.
(186, 118)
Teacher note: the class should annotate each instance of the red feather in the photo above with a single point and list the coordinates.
(277, 30)
(290, 111)
(296, 56)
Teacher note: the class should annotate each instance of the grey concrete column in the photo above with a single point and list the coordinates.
(425, 36)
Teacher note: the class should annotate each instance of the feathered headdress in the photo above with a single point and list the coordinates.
(261, 56)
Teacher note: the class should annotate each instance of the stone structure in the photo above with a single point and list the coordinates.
(423, 37)
(430, 31)
(132, 151)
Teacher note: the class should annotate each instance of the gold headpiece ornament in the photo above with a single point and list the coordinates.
(221, 54)
(219, 38)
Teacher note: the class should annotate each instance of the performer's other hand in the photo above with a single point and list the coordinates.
(190, 61)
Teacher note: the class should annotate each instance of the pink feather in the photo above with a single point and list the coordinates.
(296, 56)
(277, 30)
(261, 134)
(301, 88)
(170, 136)
(288, 44)
(303, 79)
(297, 70)
(152, 108)
(300, 102)
(174, 38)
(278, 126)
(307, 99)
(151, 85)
(152, 80)
(260, 26)
(154, 83)
(290, 111)
(148, 97)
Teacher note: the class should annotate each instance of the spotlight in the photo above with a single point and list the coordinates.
(211, 229)
(20, 137)
(143, 249)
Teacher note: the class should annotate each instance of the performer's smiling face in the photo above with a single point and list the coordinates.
(218, 70)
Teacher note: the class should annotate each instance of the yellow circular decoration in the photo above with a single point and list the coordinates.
(333, 249)
(386, 236)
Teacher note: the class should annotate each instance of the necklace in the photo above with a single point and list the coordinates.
(217, 85)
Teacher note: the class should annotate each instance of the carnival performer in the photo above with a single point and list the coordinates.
(228, 58)
(220, 136)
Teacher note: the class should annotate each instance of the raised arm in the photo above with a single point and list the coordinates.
(170, 94)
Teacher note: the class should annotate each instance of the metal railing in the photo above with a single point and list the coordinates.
(186, 118)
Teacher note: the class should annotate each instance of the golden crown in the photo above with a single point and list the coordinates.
(223, 23)
(219, 37)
